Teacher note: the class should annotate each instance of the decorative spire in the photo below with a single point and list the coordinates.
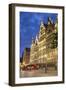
(36, 40)
(42, 23)
(33, 41)
(49, 20)
(36, 37)
(56, 25)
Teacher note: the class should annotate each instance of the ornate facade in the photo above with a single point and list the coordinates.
(44, 47)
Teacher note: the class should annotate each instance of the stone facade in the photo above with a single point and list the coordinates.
(26, 56)
(44, 47)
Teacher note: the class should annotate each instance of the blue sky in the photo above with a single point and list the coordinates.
(30, 25)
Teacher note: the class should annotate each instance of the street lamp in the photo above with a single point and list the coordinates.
(45, 55)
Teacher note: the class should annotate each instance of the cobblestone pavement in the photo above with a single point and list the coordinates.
(38, 73)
